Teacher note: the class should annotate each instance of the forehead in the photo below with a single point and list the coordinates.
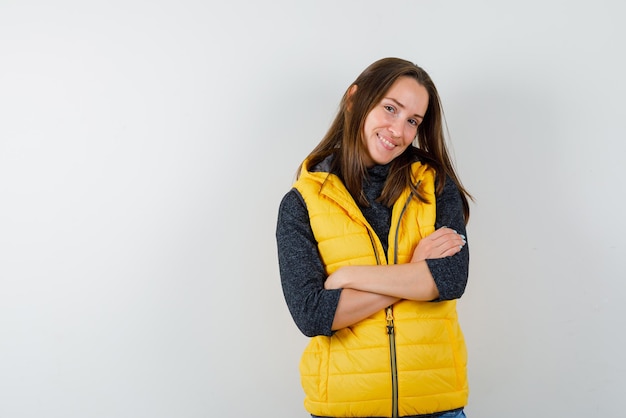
(409, 94)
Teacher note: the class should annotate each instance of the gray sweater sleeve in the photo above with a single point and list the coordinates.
(450, 273)
(301, 271)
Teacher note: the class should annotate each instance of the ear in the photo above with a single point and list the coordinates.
(351, 92)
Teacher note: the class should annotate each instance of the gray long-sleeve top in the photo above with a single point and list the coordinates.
(302, 273)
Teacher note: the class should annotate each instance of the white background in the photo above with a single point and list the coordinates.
(145, 146)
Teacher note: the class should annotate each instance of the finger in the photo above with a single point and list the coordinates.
(448, 240)
(450, 251)
(452, 245)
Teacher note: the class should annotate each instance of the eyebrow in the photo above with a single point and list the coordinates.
(402, 106)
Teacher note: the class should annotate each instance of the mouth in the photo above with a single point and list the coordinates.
(386, 143)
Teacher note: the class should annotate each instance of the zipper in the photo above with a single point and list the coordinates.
(395, 241)
(373, 241)
(394, 365)
(392, 341)
(391, 327)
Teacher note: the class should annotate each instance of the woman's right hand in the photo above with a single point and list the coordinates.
(444, 242)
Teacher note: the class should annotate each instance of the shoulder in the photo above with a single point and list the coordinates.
(450, 205)
(292, 202)
(450, 189)
(293, 219)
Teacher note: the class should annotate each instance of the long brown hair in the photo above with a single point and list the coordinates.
(344, 138)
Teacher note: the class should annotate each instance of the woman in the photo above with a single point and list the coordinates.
(372, 255)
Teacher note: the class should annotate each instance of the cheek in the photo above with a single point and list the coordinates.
(410, 133)
(375, 119)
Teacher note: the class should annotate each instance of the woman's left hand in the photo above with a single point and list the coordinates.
(444, 242)
(334, 280)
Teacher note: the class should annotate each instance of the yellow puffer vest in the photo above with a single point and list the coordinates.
(409, 360)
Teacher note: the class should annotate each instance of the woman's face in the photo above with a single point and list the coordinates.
(391, 125)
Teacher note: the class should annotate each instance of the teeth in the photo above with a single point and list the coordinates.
(386, 142)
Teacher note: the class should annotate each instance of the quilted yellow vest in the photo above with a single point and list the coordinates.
(407, 360)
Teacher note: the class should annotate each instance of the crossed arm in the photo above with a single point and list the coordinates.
(368, 289)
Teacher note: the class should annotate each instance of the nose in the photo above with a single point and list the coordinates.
(395, 127)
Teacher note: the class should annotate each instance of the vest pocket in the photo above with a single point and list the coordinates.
(314, 366)
(459, 353)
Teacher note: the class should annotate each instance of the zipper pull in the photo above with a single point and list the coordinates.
(389, 320)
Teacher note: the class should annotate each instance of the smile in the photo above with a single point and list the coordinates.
(386, 144)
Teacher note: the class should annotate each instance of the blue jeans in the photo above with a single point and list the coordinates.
(459, 414)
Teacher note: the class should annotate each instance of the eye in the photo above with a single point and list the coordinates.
(390, 108)
(413, 122)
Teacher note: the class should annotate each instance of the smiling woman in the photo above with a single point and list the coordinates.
(391, 126)
(373, 256)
